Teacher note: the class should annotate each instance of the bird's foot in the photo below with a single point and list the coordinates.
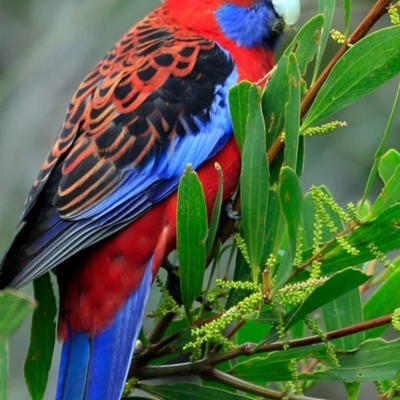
(230, 212)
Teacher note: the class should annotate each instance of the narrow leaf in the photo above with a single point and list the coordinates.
(242, 274)
(381, 149)
(347, 14)
(373, 361)
(292, 112)
(4, 368)
(382, 302)
(239, 107)
(337, 285)
(275, 366)
(254, 183)
(305, 43)
(191, 236)
(326, 8)
(40, 353)
(354, 76)
(388, 164)
(345, 310)
(14, 308)
(215, 218)
(290, 197)
(388, 196)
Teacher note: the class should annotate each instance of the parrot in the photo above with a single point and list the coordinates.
(102, 211)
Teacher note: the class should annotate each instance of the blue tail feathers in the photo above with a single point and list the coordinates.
(96, 368)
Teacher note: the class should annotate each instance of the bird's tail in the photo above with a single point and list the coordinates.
(96, 368)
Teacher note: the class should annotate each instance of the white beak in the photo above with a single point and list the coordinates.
(288, 10)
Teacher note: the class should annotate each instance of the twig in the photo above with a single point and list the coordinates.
(248, 387)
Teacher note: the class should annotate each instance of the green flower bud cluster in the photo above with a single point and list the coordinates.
(242, 246)
(393, 12)
(380, 256)
(330, 349)
(213, 331)
(337, 36)
(323, 129)
(297, 292)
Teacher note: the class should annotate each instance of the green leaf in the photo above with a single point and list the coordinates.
(291, 204)
(354, 75)
(379, 153)
(352, 390)
(14, 308)
(275, 366)
(337, 285)
(373, 361)
(215, 218)
(191, 236)
(290, 197)
(275, 224)
(192, 391)
(274, 100)
(239, 108)
(254, 184)
(345, 310)
(347, 14)
(292, 112)
(43, 336)
(388, 196)
(327, 8)
(388, 164)
(242, 274)
(3, 368)
(383, 301)
(304, 46)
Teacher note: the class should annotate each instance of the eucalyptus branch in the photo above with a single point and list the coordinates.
(202, 367)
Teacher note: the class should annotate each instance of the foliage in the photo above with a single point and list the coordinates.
(287, 306)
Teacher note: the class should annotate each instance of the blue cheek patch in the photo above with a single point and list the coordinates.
(249, 26)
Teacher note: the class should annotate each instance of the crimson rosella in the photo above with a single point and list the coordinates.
(103, 208)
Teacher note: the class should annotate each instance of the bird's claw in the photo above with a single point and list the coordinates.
(230, 212)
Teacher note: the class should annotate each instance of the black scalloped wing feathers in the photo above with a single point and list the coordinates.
(147, 90)
(154, 87)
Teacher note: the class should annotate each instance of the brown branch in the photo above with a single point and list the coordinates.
(203, 367)
(248, 387)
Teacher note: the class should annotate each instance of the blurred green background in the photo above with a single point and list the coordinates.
(47, 48)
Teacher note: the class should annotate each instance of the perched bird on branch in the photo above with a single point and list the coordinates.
(102, 210)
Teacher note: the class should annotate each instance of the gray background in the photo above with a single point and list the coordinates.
(47, 48)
